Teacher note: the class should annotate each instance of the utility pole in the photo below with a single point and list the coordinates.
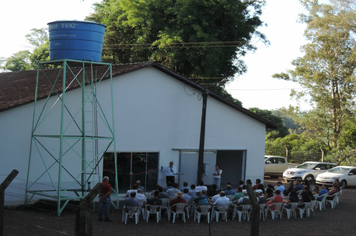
(205, 94)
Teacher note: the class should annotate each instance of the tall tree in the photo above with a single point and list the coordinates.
(203, 40)
(326, 71)
(19, 61)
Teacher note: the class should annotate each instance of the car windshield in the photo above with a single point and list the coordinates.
(339, 170)
(307, 166)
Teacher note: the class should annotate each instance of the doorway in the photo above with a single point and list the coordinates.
(232, 162)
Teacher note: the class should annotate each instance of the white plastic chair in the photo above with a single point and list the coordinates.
(291, 211)
(165, 204)
(333, 201)
(311, 207)
(204, 210)
(222, 210)
(305, 209)
(245, 212)
(338, 197)
(180, 210)
(322, 202)
(153, 209)
(130, 211)
(262, 210)
(277, 210)
(230, 197)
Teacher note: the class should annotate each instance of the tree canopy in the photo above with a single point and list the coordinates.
(326, 71)
(198, 39)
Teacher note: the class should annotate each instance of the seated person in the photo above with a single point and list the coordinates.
(201, 187)
(269, 191)
(298, 185)
(238, 195)
(202, 199)
(229, 190)
(212, 190)
(293, 197)
(155, 200)
(162, 194)
(311, 185)
(138, 183)
(261, 198)
(141, 198)
(245, 200)
(247, 183)
(169, 185)
(176, 200)
(185, 186)
(172, 191)
(289, 189)
(305, 197)
(131, 201)
(280, 187)
(335, 188)
(315, 190)
(323, 191)
(241, 184)
(192, 192)
(276, 199)
(215, 197)
(222, 200)
(134, 189)
(186, 196)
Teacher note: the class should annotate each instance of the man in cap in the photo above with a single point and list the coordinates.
(179, 199)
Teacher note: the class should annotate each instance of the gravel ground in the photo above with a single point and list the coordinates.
(338, 221)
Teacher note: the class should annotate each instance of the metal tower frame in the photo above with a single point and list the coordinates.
(76, 140)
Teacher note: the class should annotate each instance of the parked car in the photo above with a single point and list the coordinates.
(345, 174)
(275, 165)
(307, 171)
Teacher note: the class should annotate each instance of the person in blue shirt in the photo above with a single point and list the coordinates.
(280, 187)
(229, 190)
(323, 191)
(298, 185)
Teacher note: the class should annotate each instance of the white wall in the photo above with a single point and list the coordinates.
(153, 113)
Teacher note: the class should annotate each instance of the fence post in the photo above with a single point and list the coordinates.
(3, 186)
(83, 222)
(255, 213)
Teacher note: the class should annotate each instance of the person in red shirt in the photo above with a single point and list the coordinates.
(105, 200)
(276, 199)
(179, 199)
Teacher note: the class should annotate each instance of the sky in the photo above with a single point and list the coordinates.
(256, 88)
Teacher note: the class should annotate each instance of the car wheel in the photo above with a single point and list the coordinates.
(309, 177)
(343, 184)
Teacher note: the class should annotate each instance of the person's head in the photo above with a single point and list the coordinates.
(316, 189)
(155, 194)
(245, 192)
(138, 183)
(157, 186)
(241, 182)
(106, 179)
(270, 186)
(219, 190)
(185, 184)
(258, 181)
(169, 183)
(278, 192)
(186, 191)
(134, 186)
(201, 182)
(133, 194)
(217, 166)
(179, 195)
(335, 185)
(175, 185)
(228, 187)
(239, 189)
(140, 191)
(222, 194)
(203, 192)
(228, 183)
(248, 181)
(269, 191)
(279, 183)
(160, 189)
(337, 181)
(171, 164)
(192, 187)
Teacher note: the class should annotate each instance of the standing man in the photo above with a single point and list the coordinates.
(105, 200)
(169, 171)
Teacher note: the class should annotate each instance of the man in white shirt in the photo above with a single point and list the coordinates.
(169, 171)
(141, 198)
(215, 197)
(134, 189)
(172, 191)
(201, 187)
(222, 200)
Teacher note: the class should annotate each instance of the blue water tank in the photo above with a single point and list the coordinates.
(77, 40)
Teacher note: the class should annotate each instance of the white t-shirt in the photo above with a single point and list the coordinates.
(168, 171)
(217, 176)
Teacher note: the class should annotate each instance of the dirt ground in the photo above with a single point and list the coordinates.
(338, 221)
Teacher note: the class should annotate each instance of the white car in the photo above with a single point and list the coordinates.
(307, 171)
(345, 174)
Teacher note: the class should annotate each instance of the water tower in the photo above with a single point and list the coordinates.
(71, 128)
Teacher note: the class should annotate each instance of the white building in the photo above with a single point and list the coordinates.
(157, 120)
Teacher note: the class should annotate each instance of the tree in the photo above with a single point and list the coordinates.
(25, 60)
(19, 61)
(202, 40)
(281, 131)
(326, 72)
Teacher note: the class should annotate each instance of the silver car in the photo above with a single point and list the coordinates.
(307, 171)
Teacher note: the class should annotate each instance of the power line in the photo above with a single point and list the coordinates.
(267, 89)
